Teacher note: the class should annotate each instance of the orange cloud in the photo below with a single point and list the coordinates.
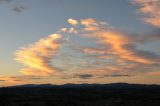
(10, 80)
(117, 56)
(92, 24)
(63, 29)
(72, 21)
(38, 55)
(151, 8)
(115, 40)
(68, 30)
(88, 22)
(154, 73)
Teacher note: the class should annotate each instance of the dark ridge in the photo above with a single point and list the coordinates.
(114, 94)
(85, 85)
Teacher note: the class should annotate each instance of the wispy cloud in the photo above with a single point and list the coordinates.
(116, 40)
(151, 10)
(115, 53)
(10, 80)
(37, 56)
(118, 54)
(21, 79)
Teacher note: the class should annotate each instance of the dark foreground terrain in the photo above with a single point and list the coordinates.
(118, 94)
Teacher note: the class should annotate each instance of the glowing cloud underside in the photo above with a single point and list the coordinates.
(37, 56)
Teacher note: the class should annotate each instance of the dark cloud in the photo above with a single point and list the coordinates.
(85, 76)
(88, 76)
(18, 8)
(151, 36)
(118, 75)
(14, 5)
(77, 75)
(142, 53)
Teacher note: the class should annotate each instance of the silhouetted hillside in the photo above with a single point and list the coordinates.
(111, 85)
(115, 94)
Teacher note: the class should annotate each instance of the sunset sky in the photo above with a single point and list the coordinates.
(79, 41)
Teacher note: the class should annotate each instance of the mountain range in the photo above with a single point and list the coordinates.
(85, 85)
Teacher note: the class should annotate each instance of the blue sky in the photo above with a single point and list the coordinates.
(24, 22)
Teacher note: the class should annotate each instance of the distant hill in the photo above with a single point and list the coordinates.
(111, 85)
(114, 94)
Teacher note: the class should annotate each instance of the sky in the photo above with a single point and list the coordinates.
(79, 41)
